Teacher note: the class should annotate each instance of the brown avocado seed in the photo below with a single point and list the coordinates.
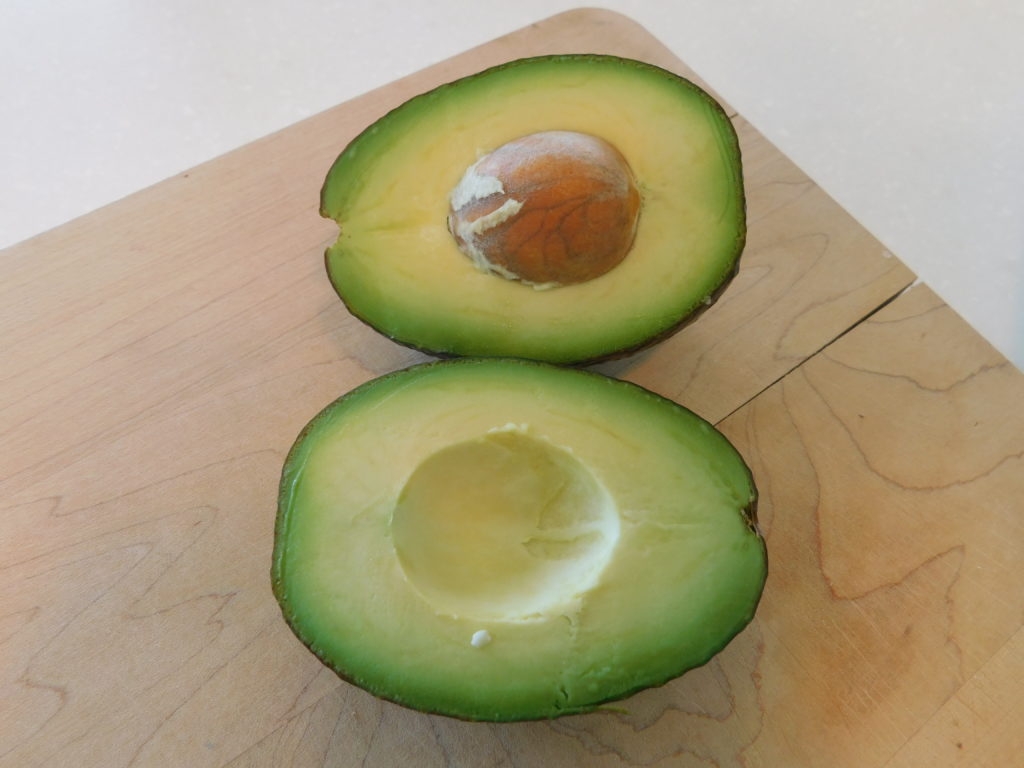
(549, 209)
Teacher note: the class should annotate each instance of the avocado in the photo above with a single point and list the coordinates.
(566, 209)
(498, 539)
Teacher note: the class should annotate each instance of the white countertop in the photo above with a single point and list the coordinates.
(909, 113)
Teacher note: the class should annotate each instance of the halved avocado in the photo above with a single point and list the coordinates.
(397, 262)
(506, 540)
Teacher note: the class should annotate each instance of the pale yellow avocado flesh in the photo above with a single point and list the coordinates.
(600, 535)
(396, 265)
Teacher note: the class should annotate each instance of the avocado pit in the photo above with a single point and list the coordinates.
(548, 209)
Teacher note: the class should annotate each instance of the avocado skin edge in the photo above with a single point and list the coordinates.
(687, 317)
(289, 475)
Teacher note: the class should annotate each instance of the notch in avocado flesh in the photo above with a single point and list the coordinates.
(506, 540)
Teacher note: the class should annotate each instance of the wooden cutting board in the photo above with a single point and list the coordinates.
(160, 355)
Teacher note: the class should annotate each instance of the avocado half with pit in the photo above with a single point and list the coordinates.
(564, 208)
(504, 540)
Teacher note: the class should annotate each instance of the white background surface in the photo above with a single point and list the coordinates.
(909, 112)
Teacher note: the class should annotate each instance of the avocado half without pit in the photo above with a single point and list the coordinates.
(563, 208)
(506, 540)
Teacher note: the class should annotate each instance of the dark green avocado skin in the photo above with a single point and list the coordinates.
(685, 318)
(288, 477)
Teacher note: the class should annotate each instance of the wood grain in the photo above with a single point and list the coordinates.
(890, 633)
(892, 473)
(160, 355)
(808, 274)
(980, 725)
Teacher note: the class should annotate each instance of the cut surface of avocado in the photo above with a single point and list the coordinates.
(397, 191)
(506, 540)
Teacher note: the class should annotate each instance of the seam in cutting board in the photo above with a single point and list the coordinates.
(824, 346)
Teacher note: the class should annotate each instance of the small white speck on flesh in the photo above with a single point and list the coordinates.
(543, 286)
(509, 427)
(480, 638)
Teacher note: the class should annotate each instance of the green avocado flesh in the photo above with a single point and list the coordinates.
(504, 540)
(397, 267)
